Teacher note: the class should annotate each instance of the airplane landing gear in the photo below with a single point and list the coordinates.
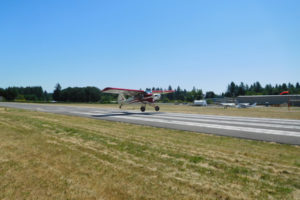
(143, 108)
(156, 108)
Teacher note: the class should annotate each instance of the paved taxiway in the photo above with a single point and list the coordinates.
(266, 129)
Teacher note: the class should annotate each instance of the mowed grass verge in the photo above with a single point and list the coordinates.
(49, 156)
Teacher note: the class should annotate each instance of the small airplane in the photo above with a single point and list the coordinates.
(245, 105)
(239, 105)
(137, 96)
(226, 105)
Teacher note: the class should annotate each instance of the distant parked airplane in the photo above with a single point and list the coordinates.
(239, 105)
(245, 105)
(226, 105)
(137, 96)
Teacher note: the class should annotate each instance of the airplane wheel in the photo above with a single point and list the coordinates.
(156, 108)
(143, 109)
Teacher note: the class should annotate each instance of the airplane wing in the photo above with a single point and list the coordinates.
(162, 91)
(228, 104)
(123, 91)
(246, 105)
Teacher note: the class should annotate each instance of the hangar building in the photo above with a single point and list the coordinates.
(294, 100)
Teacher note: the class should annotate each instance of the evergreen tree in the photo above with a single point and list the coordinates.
(57, 92)
(268, 90)
(2, 92)
(284, 87)
(11, 93)
(210, 94)
(170, 96)
(232, 90)
(199, 94)
(46, 96)
(241, 89)
(291, 88)
(257, 87)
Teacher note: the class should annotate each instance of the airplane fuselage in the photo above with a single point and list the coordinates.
(146, 98)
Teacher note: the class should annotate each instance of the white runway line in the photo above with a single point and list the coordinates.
(199, 121)
(196, 122)
(266, 124)
(215, 126)
(232, 118)
(225, 121)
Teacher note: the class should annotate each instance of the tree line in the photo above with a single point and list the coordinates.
(25, 94)
(93, 94)
(77, 94)
(234, 90)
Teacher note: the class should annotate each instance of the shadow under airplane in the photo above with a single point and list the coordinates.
(126, 114)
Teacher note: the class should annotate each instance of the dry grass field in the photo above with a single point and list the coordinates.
(270, 112)
(49, 156)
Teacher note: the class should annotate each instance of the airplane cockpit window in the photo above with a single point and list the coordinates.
(148, 91)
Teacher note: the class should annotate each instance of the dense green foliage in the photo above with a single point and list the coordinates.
(24, 93)
(76, 94)
(210, 94)
(234, 90)
(182, 95)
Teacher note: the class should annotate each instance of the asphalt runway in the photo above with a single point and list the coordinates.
(265, 129)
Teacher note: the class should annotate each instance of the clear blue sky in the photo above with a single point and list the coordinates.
(145, 43)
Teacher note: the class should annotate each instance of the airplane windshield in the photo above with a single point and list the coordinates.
(148, 91)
